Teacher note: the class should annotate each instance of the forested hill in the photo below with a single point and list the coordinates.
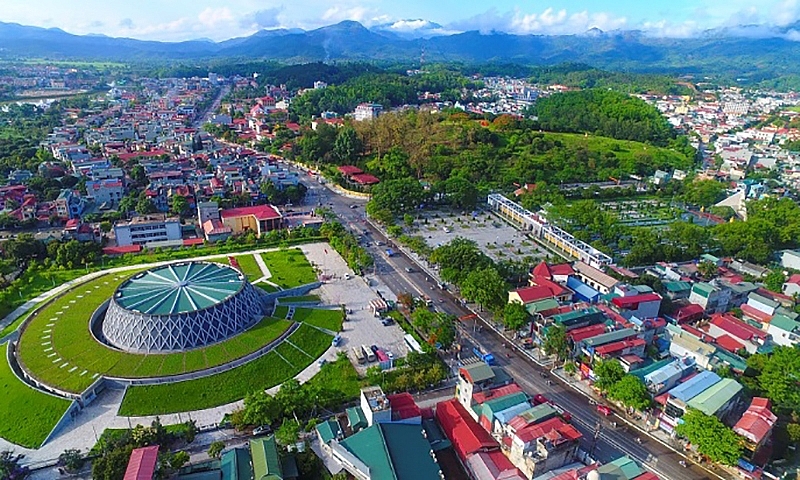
(603, 112)
(497, 154)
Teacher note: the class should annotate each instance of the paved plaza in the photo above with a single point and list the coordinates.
(496, 238)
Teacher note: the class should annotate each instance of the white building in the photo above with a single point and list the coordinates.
(367, 111)
(147, 229)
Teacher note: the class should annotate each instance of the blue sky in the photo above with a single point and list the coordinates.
(173, 20)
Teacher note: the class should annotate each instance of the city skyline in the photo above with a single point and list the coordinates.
(180, 20)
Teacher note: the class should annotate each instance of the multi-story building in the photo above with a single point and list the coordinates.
(713, 299)
(367, 111)
(108, 191)
(147, 229)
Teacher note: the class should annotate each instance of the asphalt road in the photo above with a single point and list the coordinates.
(612, 442)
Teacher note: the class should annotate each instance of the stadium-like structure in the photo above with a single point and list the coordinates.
(181, 306)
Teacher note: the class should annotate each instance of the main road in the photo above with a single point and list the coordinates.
(401, 274)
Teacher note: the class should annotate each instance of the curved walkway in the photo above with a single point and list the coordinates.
(25, 307)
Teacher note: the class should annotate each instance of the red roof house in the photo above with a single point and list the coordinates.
(142, 464)
(365, 179)
(258, 218)
(467, 436)
(403, 406)
(349, 170)
(486, 395)
(757, 422)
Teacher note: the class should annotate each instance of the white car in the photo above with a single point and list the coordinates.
(390, 355)
(347, 276)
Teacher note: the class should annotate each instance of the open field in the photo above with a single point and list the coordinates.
(226, 387)
(27, 415)
(327, 319)
(58, 348)
(289, 268)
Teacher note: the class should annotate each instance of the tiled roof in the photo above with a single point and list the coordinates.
(403, 406)
(142, 464)
(365, 179)
(467, 436)
(757, 421)
(736, 327)
(486, 395)
(634, 300)
(350, 170)
(261, 212)
(729, 343)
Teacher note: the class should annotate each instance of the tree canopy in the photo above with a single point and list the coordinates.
(711, 437)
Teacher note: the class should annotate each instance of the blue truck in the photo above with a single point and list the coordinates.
(485, 356)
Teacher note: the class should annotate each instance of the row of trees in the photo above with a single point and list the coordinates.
(25, 249)
(346, 244)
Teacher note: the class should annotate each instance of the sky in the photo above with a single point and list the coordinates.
(176, 20)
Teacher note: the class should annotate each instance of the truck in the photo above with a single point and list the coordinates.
(485, 356)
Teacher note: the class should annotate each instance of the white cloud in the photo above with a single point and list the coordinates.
(357, 14)
(548, 22)
(215, 17)
(260, 19)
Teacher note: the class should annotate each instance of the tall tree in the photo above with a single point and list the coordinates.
(555, 342)
(631, 391)
(711, 437)
(515, 316)
(608, 373)
(486, 287)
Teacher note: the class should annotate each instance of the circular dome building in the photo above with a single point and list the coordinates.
(179, 307)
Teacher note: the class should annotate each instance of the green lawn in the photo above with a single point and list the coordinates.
(301, 299)
(290, 268)
(281, 311)
(340, 376)
(63, 353)
(27, 415)
(249, 267)
(327, 319)
(267, 287)
(226, 387)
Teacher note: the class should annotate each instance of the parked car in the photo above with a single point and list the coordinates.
(262, 430)
(347, 276)
(603, 409)
(386, 321)
(409, 269)
(374, 348)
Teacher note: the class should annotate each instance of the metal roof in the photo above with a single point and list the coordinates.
(179, 288)
(714, 398)
(695, 386)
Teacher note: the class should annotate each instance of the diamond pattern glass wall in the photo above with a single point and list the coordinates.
(181, 306)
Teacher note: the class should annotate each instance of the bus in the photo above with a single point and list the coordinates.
(369, 353)
(359, 354)
(412, 343)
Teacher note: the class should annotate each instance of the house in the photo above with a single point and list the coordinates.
(685, 345)
(142, 464)
(380, 408)
(725, 328)
(792, 286)
(790, 259)
(579, 318)
(583, 292)
(641, 306)
(713, 299)
(631, 347)
(544, 446)
(677, 290)
(688, 313)
(589, 345)
(147, 229)
(719, 400)
(82, 232)
(594, 278)
(623, 468)
(496, 411)
(259, 219)
(267, 462)
(559, 273)
(70, 204)
(678, 396)
(759, 308)
(475, 377)
(108, 191)
(747, 268)
(668, 376)
(477, 450)
(541, 290)
(327, 431)
(784, 331)
(756, 426)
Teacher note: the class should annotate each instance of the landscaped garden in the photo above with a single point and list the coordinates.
(327, 319)
(58, 348)
(307, 344)
(28, 415)
(289, 268)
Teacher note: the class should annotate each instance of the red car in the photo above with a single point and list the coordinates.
(604, 410)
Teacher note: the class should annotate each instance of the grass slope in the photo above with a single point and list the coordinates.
(249, 267)
(226, 387)
(27, 415)
(289, 268)
(327, 319)
(58, 348)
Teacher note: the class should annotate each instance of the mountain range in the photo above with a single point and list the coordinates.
(746, 51)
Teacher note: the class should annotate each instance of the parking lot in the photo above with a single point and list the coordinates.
(361, 327)
(496, 238)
